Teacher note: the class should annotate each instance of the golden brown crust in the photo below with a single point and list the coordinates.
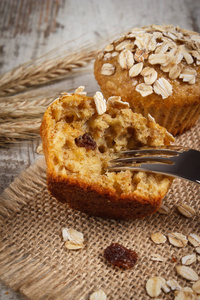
(44, 133)
(180, 109)
(95, 201)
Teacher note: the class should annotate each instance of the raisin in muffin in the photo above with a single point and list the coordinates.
(156, 69)
(80, 135)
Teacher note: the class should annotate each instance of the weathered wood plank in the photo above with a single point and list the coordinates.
(31, 28)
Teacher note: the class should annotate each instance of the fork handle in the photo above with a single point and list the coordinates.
(187, 168)
(190, 167)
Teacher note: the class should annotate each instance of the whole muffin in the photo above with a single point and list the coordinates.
(156, 69)
(80, 135)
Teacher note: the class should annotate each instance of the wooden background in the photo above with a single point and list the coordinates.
(31, 28)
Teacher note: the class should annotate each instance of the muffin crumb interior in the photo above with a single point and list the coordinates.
(74, 118)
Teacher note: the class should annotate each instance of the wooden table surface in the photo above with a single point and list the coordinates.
(31, 28)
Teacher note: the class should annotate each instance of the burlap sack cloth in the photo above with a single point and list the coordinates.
(34, 259)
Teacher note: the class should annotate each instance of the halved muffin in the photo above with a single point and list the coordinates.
(80, 135)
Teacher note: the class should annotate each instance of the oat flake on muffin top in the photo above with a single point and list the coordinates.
(175, 50)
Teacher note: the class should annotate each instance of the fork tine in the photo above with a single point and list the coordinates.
(153, 168)
(142, 151)
(145, 159)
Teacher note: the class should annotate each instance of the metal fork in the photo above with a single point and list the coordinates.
(175, 161)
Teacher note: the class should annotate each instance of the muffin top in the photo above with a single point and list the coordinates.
(157, 59)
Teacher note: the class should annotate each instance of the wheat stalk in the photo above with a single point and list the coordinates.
(20, 119)
(32, 75)
(21, 114)
(24, 109)
(22, 130)
(13, 130)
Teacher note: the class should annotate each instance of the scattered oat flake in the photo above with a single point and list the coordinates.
(100, 103)
(150, 118)
(174, 72)
(162, 48)
(73, 239)
(113, 54)
(174, 285)
(119, 39)
(134, 82)
(162, 87)
(109, 48)
(185, 52)
(187, 273)
(126, 59)
(170, 136)
(141, 55)
(189, 71)
(187, 78)
(157, 34)
(188, 75)
(164, 285)
(135, 31)
(72, 235)
(39, 149)
(144, 89)
(195, 38)
(158, 238)
(189, 259)
(194, 239)
(80, 90)
(64, 94)
(135, 69)
(164, 209)
(188, 57)
(116, 100)
(147, 71)
(72, 246)
(177, 239)
(153, 286)
(156, 257)
(127, 44)
(192, 81)
(150, 75)
(98, 295)
(186, 210)
(197, 249)
(159, 28)
(185, 294)
(107, 69)
(178, 55)
(146, 41)
(167, 68)
(171, 35)
(100, 55)
(195, 54)
(196, 287)
(161, 58)
(107, 56)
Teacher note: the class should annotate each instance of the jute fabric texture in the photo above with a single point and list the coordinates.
(35, 261)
